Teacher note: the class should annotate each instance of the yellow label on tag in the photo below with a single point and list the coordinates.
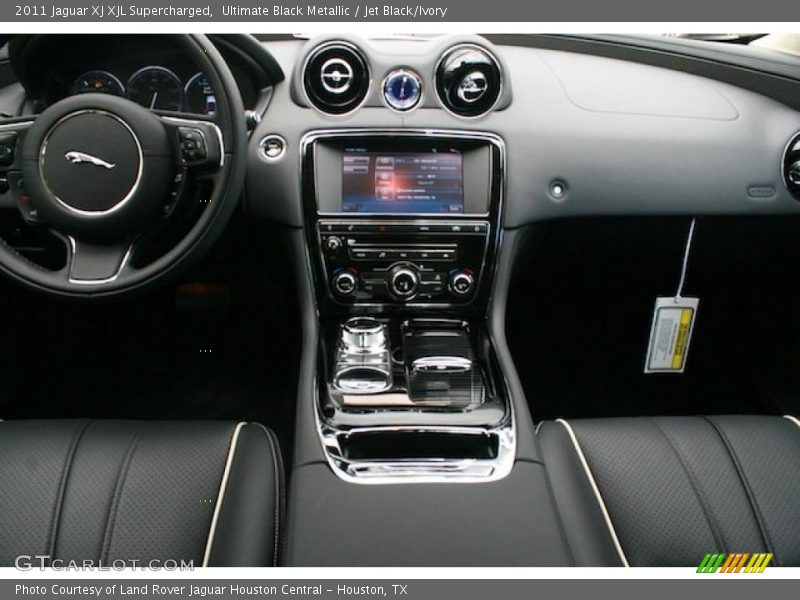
(683, 338)
(670, 335)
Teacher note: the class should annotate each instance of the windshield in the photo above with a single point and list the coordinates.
(787, 43)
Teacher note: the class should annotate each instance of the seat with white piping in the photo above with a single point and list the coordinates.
(665, 491)
(140, 492)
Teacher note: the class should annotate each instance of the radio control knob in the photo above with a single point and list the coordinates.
(461, 283)
(333, 243)
(345, 283)
(403, 281)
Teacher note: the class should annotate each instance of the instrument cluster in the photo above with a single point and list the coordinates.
(154, 86)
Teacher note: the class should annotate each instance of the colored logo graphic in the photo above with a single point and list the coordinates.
(735, 562)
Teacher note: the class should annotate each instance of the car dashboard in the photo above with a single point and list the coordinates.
(405, 174)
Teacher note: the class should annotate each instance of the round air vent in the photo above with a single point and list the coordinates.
(336, 78)
(791, 166)
(468, 80)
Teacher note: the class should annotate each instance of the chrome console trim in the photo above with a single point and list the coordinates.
(431, 469)
(428, 470)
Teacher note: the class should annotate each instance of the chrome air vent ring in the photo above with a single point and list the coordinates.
(336, 78)
(790, 166)
(468, 80)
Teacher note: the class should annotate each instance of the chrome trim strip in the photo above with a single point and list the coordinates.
(794, 420)
(123, 263)
(221, 496)
(427, 470)
(442, 363)
(23, 123)
(596, 490)
(134, 187)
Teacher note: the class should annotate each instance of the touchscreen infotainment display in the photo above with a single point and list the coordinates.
(402, 182)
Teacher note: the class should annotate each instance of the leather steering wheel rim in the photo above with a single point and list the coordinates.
(226, 130)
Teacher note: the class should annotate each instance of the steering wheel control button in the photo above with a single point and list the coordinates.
(193, 144)
(402, 90)
(403, 281)
(345, 283)
(16, 182)
(8, 146)
(461, 283)
(272, 148)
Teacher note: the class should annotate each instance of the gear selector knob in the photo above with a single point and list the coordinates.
(363, 335)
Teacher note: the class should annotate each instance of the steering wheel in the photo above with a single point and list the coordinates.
(102, 173)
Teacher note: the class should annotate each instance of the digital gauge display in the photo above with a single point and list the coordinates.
(200, 96)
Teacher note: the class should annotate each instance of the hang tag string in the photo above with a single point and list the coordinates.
(686, 254)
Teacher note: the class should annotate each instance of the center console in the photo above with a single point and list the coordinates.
(403, 218)
(403, 228)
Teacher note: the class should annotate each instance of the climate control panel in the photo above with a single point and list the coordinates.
(396, 262)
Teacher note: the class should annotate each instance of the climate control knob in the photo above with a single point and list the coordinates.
(461, 283)
(403, 281)
(345, 283)
(333, 244)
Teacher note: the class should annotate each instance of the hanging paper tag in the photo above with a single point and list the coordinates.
(670, 334)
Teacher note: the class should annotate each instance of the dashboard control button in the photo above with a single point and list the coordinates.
(432, 277)
(461, 283)
(333, 227)
(403, 281)
(333, 244)
(345, 283)
(272, 147)
(360, 254)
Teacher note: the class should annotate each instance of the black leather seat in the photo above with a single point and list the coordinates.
(207, 492)
(666, 491)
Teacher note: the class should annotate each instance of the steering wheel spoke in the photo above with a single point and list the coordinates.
(93, 264)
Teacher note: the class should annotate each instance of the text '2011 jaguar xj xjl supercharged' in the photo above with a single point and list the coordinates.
(414, 300)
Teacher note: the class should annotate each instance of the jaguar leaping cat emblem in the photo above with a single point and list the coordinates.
(81, 157)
